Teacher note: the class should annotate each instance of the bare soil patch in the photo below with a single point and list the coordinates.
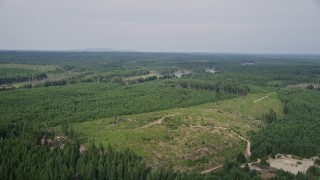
(260, 99)
(211, 169)
(291, 164)
(159, 121)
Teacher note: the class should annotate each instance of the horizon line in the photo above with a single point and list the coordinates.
(100, 50)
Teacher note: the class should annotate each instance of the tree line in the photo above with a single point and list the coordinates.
(16, 79)
(297, 133)
(217, 87)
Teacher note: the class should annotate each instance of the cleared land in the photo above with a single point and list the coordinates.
(291, 164)
(260, 99)
(170, 137)
(53, 73)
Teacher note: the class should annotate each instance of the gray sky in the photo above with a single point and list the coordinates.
(254, 26)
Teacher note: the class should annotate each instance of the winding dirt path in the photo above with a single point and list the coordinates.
(261, 99)
(159, 121)
(248, 150)
(211, 169)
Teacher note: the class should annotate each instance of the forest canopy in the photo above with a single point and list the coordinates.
(43, 91)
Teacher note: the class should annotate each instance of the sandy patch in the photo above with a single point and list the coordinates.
(291, 164)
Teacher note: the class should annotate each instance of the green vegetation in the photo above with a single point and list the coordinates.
(190, 130)
(88, 101)
(76, 115)
(298, 132)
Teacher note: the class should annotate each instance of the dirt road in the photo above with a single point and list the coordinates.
(211, 169)
(159, 121)
(248, 150)
(260, 99)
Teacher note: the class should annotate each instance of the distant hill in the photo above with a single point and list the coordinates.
(101, 50)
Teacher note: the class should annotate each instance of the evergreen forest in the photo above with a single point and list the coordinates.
(134, 115)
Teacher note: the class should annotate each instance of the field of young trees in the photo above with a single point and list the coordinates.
(117, 115)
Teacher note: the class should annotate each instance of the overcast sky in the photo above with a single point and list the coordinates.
(239, 26)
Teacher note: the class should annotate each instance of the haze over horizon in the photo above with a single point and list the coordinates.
(248, 26)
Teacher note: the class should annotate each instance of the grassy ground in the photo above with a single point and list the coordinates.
(187, 140)
(247, 106)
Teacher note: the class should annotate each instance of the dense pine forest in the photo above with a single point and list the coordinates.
(43, 95)
(297, 133)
